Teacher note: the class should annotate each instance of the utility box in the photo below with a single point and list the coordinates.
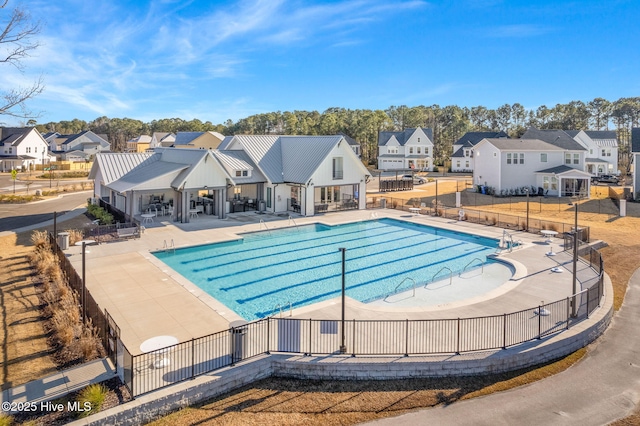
(63, 240)
(238, 340)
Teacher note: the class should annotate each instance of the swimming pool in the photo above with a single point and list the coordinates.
(303, 265)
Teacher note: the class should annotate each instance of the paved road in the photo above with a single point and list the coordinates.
(603, 387)
(14, 216)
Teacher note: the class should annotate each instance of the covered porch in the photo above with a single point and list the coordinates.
(564, 181)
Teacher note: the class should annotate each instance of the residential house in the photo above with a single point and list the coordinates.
(139, 144)
(301, 174)
(602, 147)
(76, 147)
(22, 148)
(509, 165)
(198, 140)
(635, 149)
(409, 149)
(162, 140)
(462, 158)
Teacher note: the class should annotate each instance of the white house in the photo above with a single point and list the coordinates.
(22, 148)
(462, 158)
(602, 147)
(409, 149)
(635, 149)
(278, 174)
(506, 166)
(162, 140)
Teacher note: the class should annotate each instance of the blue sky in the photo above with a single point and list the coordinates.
(219, 60)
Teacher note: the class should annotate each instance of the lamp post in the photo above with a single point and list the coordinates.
(527, 210)
(343, 347)
(574, 308)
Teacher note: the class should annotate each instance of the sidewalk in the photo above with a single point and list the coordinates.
(77, 211)
(61, 383)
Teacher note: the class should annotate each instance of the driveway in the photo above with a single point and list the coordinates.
(601, 388)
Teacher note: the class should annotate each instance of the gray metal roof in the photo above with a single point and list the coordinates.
(302, 155)
(115, 165)
(559, 138)
(225, 143)
(233, 160)
(595, 160)
(265, 152)
(156, 175)
(523, 145)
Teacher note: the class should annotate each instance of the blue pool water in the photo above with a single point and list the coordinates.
(303, 265)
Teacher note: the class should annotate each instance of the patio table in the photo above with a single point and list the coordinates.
(159, 346)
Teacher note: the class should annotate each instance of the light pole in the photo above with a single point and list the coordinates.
(527, 210)
(343, 347)
(574, 308)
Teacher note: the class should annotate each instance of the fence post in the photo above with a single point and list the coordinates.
(458, 339)
(353, 352)
(539, 322)
(504, 331)
(268, 335)
(193, 358)
(406, 337)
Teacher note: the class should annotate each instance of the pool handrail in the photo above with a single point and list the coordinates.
(294, 222)
(398, 286)
(473, 260)
(436, 274)
(265, 226)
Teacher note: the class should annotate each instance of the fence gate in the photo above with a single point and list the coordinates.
(112, 333)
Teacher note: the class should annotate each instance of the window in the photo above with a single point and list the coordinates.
(337, 168)
(466, 152)
(543, 157)
(466, 164)
(418, 150)
(606, 152)
(418, 140)
(410, 150)
(522, 158)
(567, 158)
(576, 158)
(10, 150)
(35, 149)
(591, 151)
(508, 158)
(545, 182)
(515, 157)
(458, 163)
(554, 183)
(28, 150)
(240, 173)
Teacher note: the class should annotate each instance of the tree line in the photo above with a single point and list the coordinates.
(449, 123)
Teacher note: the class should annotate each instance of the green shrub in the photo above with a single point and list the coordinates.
(95, 395)
(101, 214)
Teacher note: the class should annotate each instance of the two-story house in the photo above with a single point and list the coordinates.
(139, 144)
(462, 158)
(602, 147)
(22, 148)
(198, 140)
(162, 140)
(76, 147)
(555, 169)
(409, 149)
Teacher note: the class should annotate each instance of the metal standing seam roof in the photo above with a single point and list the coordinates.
(558, 170)
(116, 165)
(264, 151)
(595, 160)
(233, 160)
(164, 173)
(301, 156)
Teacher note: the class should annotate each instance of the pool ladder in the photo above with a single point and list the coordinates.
(169, 247)
(294, 222)
(395, 291)
(469, 264)
(265, 226)
(278, 308)
(438, 273)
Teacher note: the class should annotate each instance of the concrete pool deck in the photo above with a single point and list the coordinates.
(146, 298)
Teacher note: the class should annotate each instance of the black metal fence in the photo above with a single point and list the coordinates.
(106, 329)
(150, 371)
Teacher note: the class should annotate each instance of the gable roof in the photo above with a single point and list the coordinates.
(233, 160)
(184, 138)
(115, 165)
(14, 135)
(559, 170)
(472, 138)
(403, 137)
(302, 155)
(559, 138)
(264, 151)
(522, 144)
